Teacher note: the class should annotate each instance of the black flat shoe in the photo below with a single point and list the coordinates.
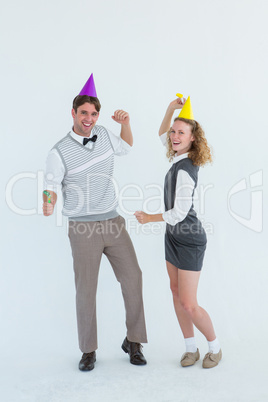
(87, 361)
(134, 351)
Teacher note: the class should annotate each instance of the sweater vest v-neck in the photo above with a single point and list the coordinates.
(87, 186)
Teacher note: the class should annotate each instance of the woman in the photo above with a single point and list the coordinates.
(185, 238)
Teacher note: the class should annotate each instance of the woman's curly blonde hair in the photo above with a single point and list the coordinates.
(199, 152)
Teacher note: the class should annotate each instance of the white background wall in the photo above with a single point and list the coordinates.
(141, 53)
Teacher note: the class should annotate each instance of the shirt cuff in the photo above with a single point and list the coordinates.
(126, 146)
(56, 188)
(169, 218)
(163, 138)
(120, 146)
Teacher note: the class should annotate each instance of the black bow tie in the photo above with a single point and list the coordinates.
(93, 139)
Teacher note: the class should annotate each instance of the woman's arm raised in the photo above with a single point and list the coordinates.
(166, 123)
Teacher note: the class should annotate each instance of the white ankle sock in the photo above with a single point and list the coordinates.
(190, 344)
(214, 346)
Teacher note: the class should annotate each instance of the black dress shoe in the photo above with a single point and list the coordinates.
(87, 361)
(134, 351)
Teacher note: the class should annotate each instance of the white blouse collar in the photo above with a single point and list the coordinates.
(179, 157)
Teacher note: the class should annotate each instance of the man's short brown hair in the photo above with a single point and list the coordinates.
(79, 100)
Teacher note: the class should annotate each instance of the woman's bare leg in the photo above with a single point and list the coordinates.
(187, 290)
(184, 318)
(184, 285)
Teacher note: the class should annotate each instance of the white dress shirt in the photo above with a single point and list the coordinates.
(184, 190)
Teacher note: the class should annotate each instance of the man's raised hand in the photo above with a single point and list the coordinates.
(121, 117)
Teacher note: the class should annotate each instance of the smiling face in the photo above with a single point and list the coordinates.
(85, 119)
(181, 137)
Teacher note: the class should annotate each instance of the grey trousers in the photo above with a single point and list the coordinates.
(89, 240)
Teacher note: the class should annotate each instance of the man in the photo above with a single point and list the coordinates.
(82, 163)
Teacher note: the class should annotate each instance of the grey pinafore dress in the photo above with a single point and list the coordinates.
(185, 242)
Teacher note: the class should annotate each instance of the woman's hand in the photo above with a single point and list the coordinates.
(177, 103)
(142, 217)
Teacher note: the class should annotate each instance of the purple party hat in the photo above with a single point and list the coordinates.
(89, 88)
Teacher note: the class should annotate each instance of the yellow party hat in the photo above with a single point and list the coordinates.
(187, 111)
